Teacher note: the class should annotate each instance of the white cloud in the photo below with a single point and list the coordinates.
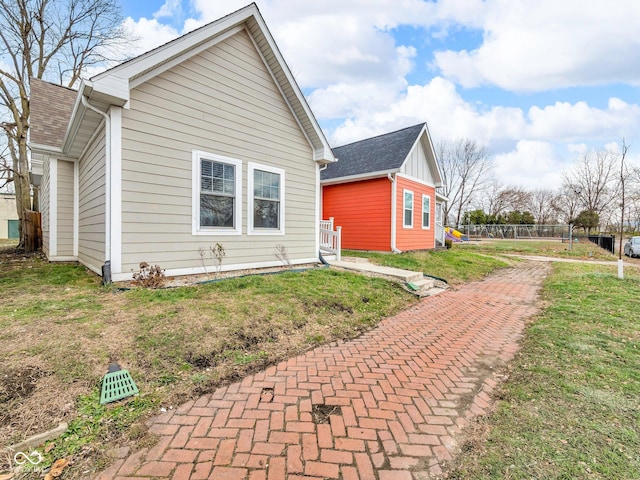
(533, 164)
(549, 44)
(570, 122)
(170, 8)
(150, 33)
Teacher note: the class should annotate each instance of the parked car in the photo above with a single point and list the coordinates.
(632, 247)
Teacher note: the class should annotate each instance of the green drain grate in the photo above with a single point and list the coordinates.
(116, 386)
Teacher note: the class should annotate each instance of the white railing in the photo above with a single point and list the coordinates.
(326, 224)
(330, 238)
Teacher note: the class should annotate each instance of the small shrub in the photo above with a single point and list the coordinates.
(149, 276)
(283, 255)
(218, 253)
(448, 243)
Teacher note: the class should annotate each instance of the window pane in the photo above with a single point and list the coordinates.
(216, 211)
(426, 210)
(408, 217)
(217, 177)
(266, 214)
(408, 209)
(266, 185)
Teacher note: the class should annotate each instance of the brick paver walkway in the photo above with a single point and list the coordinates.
(387, 405)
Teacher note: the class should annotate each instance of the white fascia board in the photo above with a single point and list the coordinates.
(356, 178)
(441, 198)
(40, 148)
(112, 90)
(324, 156)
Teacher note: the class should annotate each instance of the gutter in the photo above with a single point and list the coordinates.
(392, 179)
(106, 268)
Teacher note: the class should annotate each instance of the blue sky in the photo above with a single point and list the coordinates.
(536, 82)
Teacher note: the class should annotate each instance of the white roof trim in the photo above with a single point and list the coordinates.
(359, 177)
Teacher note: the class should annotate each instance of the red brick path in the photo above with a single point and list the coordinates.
(396, 397)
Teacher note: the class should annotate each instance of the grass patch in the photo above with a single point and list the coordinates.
(583, 249)
(455, 266)
(571, 405)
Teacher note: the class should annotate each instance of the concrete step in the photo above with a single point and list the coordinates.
(424, 283)
(405, 276)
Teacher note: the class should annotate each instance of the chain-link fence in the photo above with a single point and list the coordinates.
(515, 231)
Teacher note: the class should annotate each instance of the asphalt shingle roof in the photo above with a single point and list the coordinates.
(381, 153)
(50, 110)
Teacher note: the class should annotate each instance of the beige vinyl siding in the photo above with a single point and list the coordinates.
(65, 208)
(222, 101)
(91, 214)
(45, 209)
(417, 164)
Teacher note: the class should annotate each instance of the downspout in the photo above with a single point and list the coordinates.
(392, 179)
(319, 216)
(106, 268)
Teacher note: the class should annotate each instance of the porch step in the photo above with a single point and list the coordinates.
(415, 282)
(363, 265)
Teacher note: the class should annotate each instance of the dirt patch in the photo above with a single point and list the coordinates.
(18, 384)
(321, 413)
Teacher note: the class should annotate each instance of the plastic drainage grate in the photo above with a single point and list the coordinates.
(116, 386)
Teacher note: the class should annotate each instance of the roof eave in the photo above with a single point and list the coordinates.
(360, 177)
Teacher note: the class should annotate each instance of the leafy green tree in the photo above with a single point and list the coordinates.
(587, 219)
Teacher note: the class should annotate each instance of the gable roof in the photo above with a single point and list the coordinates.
(113, 86)
(51, 107)
(384, 154)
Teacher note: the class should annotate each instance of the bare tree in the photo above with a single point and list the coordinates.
(542, 204)
(466, 168)
(54, 39)
(594, 181)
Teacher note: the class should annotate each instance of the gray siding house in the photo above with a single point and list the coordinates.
(206, 139)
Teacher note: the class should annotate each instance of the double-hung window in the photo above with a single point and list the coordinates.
(217, 192)
(426, 211)
(407, 218)
(266, 200)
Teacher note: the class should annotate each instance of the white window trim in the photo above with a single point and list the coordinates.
(196, 229)
(404, 207)
(426, 227)
(264, 231)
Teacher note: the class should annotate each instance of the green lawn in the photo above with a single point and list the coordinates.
(570, 408)
(555, 248)
(455, 266)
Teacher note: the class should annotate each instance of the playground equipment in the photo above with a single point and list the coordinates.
(454, 235)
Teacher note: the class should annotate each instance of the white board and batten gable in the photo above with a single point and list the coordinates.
(421, 163)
